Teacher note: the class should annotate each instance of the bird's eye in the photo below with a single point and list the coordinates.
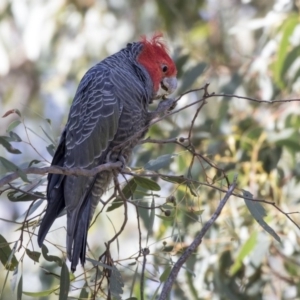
(164, 68)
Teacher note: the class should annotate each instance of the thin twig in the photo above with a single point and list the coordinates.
(145, 253)
(139, 230)
(254, 99)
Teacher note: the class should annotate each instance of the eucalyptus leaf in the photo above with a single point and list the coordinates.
(146, 183)
(7, 256)
(84, 293)
(116, 203)
(51, 258)
(14, 137)
(64, 282)
(191, 75)
(165, 218)
(13, 125)
(8, 146)
(34, 255)
(160, 162)
(116, 283)
(11, 167)
(258, 212)
(164, 276)
(16, 196)
(51, 149)
(151, 220)
(246, 249)
(20, 288)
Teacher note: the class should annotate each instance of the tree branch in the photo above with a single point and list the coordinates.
(61, 170)
(197, 241)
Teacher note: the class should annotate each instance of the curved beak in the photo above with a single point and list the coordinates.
(169, 84)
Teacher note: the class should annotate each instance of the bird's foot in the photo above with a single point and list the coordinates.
(114, 157)
(164, 107)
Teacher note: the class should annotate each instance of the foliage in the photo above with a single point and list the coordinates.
(242, 124)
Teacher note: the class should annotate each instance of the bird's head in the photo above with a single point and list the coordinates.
(160, 66)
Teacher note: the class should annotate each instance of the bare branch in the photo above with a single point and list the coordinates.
(254, 99)
(61, 170)
(197, 241)
(145, 253)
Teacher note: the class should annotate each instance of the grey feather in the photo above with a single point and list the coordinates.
(110, 106)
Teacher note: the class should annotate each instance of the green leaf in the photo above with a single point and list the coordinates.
(51, 149)
(13, 125)
(290, 144)
(289, 60)
(20, 288)
(34, 255)
(14, 137)
(50, 258)
(164, 276)
(168, 205)
(287, 30)
(160, 162)
(8, 146)
(35, 161)
(11, 167)
(117, 202)
(127, 191)
(165, 218)
(41, 294)
(175, 179)
(270, 157)
(116, 283)
(145, 194)
(16, 196)
(258, 212)
(7, 256)
(48, 121)
(84, 294)
(191, 76)
(151, 220)
(146, 183)
(244, 251)
(181, 180)
(14, 278)
(180, 62)
(64, 282)
(134, 277)
(144, 212)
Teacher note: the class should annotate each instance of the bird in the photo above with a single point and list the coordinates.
(110, 109)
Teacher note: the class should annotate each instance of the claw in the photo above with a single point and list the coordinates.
(114, 157)
(164, 107)
(122, 159)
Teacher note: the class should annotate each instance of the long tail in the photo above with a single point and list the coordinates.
(79, 219)
(76, 246)
(54, 208)
(55, 193)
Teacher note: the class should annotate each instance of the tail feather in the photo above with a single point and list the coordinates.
(55, 193)
(76, 245)
(52, 212)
